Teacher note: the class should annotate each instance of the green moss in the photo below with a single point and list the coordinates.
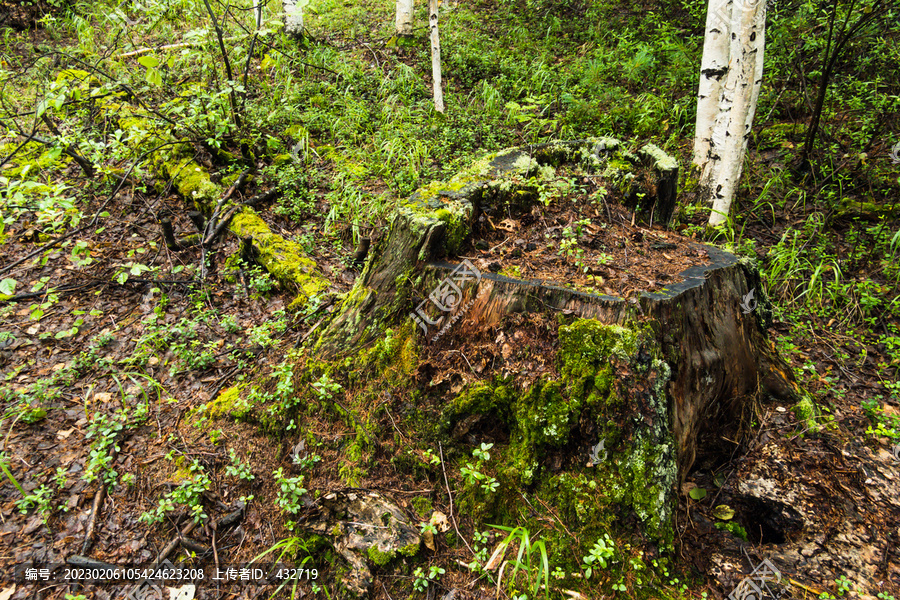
(611, 388)
(231, 402)
(422, 506)
(32, 159)
(586, 344)
(805, 411)
(733, 528)
(281, 258)
(192, 181)
(410, 550)
(393, 358)
(379, 558)
(182, 470)
(660, 159)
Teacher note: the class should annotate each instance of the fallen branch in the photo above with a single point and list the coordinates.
(86, 166)
(95, 507)
(141, 51)
(264, 197)
(450, 495)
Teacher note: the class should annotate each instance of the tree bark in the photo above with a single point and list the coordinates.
(404, 21)
(293, 16)
(435, 55)
(713, 67)
(720, 151)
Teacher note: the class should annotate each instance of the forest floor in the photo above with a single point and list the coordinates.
(111, 345)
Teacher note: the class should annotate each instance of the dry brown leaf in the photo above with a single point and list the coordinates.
(439, 520)
(497, 557)
(428, 540)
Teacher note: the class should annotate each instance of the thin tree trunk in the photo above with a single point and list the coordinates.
(404, 17)
(435, 55)
(293, 16)
(724, 150)
(713, 68)
(833, 50)
(234, 105)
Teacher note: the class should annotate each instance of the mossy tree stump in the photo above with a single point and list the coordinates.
(637, 379)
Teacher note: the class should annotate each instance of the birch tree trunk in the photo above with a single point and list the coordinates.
(713, 67)
(435, 55)
(404, 17)
(293, 16)
(738, 29)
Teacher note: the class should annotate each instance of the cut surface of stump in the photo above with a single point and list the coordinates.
(593, 343)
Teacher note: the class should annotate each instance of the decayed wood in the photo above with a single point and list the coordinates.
(719, 357)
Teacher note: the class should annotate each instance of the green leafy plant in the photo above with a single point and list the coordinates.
(189, 493)
(103, 431)
(237, 468)
(472, 473)
(421, 581)
(60, 477)
(40, 499)
(325, 388)
(599, 556)
(842, 584)
(290, 491)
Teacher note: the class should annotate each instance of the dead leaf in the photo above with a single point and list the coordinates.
(439, 520)
(509, 225)
(687, 486)
(497, 557)
(102, 397)
(8, 592)
(64, 433)
(428, 540)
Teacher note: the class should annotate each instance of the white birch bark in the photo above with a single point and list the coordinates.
(293, 16)
(435, 55)
(720, 153)
(404, 17)
(713, 67)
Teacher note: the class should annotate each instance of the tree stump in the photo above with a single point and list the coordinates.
(629, 381)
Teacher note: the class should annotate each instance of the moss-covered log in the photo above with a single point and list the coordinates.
(283, 259)
(173, 160)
